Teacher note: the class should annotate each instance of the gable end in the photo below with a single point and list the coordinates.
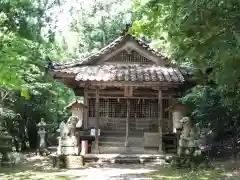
(128, 56)
(127, 43)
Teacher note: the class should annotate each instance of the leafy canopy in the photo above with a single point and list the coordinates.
(203, 32)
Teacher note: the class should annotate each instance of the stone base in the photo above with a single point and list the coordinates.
(68, 161)
(6, 161)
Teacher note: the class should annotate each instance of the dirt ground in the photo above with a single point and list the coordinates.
(37, 167)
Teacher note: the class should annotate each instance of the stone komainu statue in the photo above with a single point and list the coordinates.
(189, 152)
(71, 123)
(186, 126)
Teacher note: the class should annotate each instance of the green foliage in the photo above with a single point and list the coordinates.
(215, 108)
(21, 42)
(202, 36)
(30, 32)
(26, 89)
(92, 25)
(203, 32)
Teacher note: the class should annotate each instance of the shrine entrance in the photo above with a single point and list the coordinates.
(143, 115)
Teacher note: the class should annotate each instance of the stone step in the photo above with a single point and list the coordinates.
(112, 138)
(122, 133)
(120, 150)
(113, 133)
(117, 144)
(120, 138)
(128, 158)
(108, 144)
(135, 141)
(120, 141)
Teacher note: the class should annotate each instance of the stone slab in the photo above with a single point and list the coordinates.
(151, 140)
(128, 158)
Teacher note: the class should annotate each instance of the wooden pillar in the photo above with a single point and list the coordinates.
(160, 120)
(170, 122)
(85, 115)
(97, 121)
(127, 122)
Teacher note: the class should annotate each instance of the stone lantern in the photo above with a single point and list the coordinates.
(77, 110)
(42, 134)
(5, 145)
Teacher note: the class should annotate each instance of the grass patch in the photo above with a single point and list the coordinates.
(187, 174)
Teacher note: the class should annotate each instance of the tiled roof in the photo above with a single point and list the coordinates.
(89, 70)
(76, 102)
(126, 73)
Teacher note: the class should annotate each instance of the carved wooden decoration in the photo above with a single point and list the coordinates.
(129, 55)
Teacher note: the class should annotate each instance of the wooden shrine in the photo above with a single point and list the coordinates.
(127, 88)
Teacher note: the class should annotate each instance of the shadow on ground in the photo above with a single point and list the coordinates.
(224, 170)
(190, 175)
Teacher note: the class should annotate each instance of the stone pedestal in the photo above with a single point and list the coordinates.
(6, 161)
(70, 162)
(68, 145)
(67, 161)
(73, 162)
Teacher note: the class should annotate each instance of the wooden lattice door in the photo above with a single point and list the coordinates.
(143, 115)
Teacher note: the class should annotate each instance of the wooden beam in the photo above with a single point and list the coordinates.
(137, 93)
(95, 84)
(160, 120)
(79, 91)
(119, 97)
(97, 122)
(128, 91)
(127, 122)
(85, 113)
